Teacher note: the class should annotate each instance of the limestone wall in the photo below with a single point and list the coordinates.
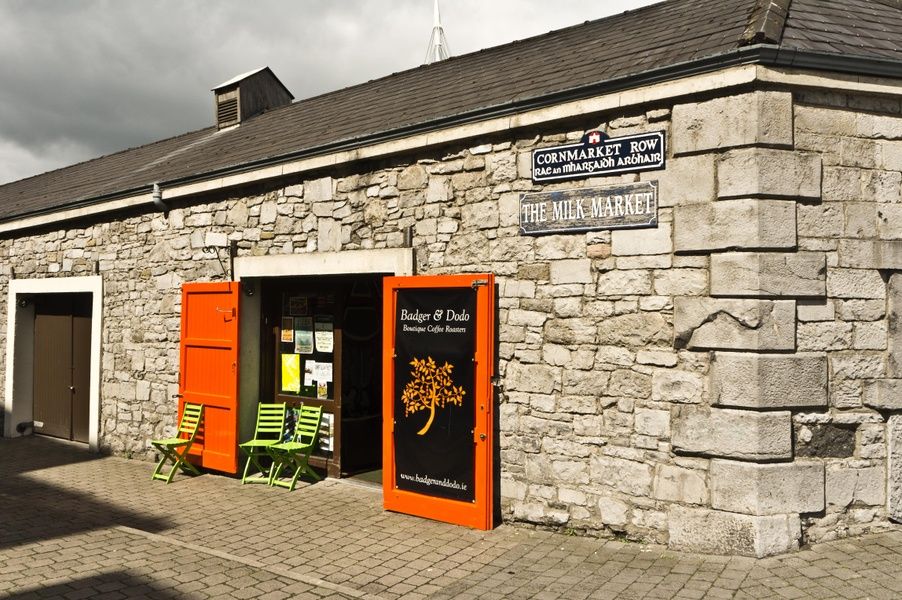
(722, 382)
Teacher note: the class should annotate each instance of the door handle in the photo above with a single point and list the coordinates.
(71, 388)
(482, 437)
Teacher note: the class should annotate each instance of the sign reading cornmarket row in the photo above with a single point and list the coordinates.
(598, 154)
(619, 206)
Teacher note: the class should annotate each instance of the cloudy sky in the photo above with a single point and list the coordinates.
(84, 78)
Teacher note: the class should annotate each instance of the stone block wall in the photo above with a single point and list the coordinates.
(722, 382)
(798, 321)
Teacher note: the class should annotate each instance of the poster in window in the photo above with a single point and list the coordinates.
(309, 368)
(325, 338)
(297, 306)
(435, 342)
(291, 373)
(323, 372)
(303, 335)
(287, 329)
(325, 432)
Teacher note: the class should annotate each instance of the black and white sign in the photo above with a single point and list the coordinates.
(597, 154)
(434, 409)
(618, 206)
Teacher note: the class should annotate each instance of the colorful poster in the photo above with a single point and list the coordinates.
(325, 339)
(291, 373)
(322, 372)
(297, 306)
(287, 329)
(303, 335)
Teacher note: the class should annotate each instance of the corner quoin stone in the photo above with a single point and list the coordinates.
(870, 254)
(770, 489)
(894, 493)
(756, 172)
(884, 394)
(708, 323)
(768, 380)
(742, 224)
(716, 532)
(769, 274)
(737, 434)
(741, 120)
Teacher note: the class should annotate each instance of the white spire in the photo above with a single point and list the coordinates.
(438, 44)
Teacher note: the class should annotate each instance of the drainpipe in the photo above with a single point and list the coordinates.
(158, 200)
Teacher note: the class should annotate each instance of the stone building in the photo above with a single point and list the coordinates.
(727, 378)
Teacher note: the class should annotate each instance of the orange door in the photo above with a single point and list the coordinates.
(209, 369)
(437, 397)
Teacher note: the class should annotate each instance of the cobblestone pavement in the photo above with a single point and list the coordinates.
(76, 525)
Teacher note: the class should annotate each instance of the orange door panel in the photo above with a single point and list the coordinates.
(209, 369)
(437, 397)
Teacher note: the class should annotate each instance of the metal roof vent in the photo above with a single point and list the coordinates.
(248, 95)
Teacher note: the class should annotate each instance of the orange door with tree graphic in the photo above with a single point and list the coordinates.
(437, 398)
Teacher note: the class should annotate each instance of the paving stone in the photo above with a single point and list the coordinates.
(210, 537)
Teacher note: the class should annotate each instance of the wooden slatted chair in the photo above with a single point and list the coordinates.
(175, 449)
(296, 454)
(269, 430)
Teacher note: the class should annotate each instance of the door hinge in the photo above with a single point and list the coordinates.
(478, 283)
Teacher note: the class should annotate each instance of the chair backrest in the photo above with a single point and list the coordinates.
(270, 421)
(191, 418)
(307, 427)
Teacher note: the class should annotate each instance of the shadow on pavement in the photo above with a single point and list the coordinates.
(37, 507)
(120, 584)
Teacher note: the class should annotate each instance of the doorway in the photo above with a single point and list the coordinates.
(321, 338)
(62, 355)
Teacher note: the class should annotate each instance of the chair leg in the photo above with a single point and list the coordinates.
(278, 463)
(186, 466)
(163, 460)
(253, 458)
(247, 466)
(298, 464)
(178, 460)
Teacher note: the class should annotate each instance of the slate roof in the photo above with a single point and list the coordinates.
(869, 28)
(658, 41)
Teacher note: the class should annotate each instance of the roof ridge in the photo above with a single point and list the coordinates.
(766, 22)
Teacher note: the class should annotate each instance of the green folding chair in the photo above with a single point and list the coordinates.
(175, 449)
(296, 453)
(269, 430)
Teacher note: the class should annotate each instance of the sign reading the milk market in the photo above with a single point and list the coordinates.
(597, 154)
(619, 206)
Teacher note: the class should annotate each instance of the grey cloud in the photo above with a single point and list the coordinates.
(84, 78)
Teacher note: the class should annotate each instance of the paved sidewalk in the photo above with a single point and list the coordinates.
(74, 525)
